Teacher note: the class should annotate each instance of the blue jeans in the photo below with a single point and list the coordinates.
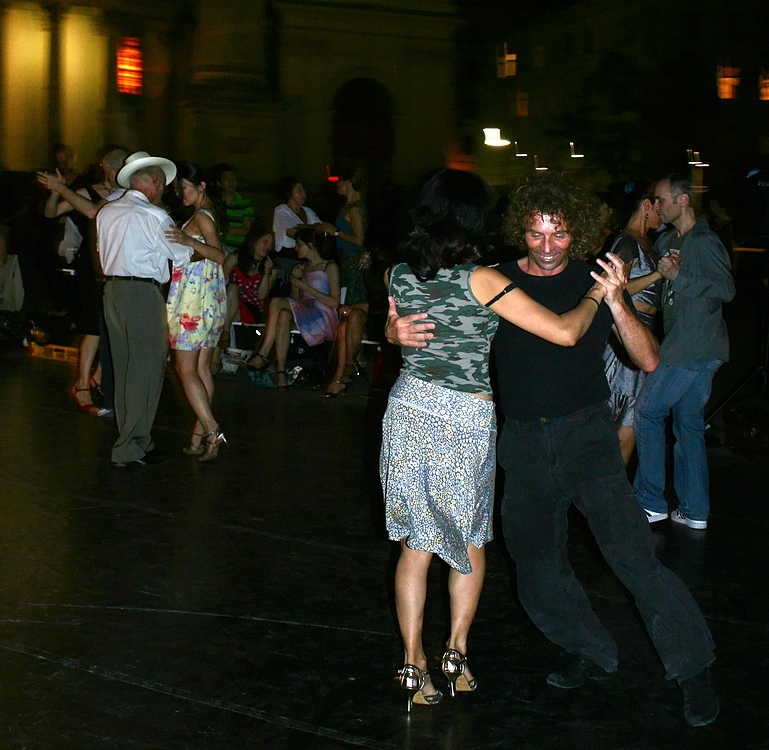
(684, 389)
(550, 464)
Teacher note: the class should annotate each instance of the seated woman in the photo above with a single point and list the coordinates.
(312, 306)
(250, 276)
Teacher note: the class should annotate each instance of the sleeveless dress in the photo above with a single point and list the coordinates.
(438, 458)
(624, 378)
(316, 322)
(251, 307)
(197, 302)
(348, 256)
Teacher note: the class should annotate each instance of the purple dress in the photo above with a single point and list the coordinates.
(316, 322)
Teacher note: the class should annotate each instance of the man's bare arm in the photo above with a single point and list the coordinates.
(639, 342)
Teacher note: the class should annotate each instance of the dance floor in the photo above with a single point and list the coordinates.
(247, 602)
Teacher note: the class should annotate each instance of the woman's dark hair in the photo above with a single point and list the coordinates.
(624, 198)
(285, 187)
(190, 171)
(447, 224)
(322, 242)
(357, 177)
(194, 174)
(246, 250)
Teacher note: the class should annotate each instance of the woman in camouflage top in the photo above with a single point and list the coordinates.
(438, 458)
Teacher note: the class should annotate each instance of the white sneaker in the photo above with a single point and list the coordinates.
(653, 517)
(679, 517)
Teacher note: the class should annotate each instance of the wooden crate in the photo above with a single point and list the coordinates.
(55, 352)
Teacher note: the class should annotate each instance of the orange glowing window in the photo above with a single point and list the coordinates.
(763, 86)
(727, 79)
(130, 66)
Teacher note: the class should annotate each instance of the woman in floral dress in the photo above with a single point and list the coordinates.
(196, 308)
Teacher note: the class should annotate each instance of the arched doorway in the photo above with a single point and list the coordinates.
(363, 129)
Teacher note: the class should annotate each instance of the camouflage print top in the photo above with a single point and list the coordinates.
(458, 356)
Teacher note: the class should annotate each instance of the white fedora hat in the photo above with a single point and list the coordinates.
(142, 159)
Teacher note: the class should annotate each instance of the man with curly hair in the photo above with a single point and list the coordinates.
(558, 447)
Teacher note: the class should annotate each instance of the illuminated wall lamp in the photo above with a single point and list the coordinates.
(575, 155)
(693, 156)
(330, 177)
(536, 165)
(492, 137)
(517, 153)
(130, 66)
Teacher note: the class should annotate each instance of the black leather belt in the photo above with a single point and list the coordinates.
(133, 278)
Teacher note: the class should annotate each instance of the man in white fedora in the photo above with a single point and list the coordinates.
(134, 253)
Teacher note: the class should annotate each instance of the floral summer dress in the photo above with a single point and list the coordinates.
(197, 303)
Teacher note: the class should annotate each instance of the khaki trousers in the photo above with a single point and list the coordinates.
(135, 313)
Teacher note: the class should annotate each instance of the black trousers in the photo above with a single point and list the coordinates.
(550, 464)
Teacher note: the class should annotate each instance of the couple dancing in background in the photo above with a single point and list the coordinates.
(558, 446)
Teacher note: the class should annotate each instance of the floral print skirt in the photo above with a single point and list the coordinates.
(196, 306)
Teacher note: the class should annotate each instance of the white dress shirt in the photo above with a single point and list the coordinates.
(283, 219)
(131, 239)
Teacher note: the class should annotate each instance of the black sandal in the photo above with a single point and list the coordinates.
(280, 387)
(251, 368)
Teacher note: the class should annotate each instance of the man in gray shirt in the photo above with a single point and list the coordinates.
(698, 277)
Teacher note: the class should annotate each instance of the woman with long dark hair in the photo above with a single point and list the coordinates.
(438, 456)
(312, 306)
(196, 307)
(246, 270)
(644, 285)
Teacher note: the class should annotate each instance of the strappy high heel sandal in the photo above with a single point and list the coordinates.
(213, 439)
(92, 409)
(283, 387)
(254, 368)
(192, 449)
(453, 665)
(337, 391)
(412, 681)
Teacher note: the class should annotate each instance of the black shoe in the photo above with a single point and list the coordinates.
(577, 674)
(153, 458)
(700, 702)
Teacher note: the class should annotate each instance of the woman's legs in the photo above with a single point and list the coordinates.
(89, 346)
(278, 305)
(336, 386)
(233, 313)
(626, 436)
(195, 388)
(464, 593)
(410, 594)
(282, 342)
(356, 325)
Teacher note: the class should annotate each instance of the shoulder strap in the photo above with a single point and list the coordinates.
(509, 288)
(208, 213)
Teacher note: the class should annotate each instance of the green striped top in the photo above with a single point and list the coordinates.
(239, 208)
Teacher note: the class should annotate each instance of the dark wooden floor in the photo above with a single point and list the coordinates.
(246, 603)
